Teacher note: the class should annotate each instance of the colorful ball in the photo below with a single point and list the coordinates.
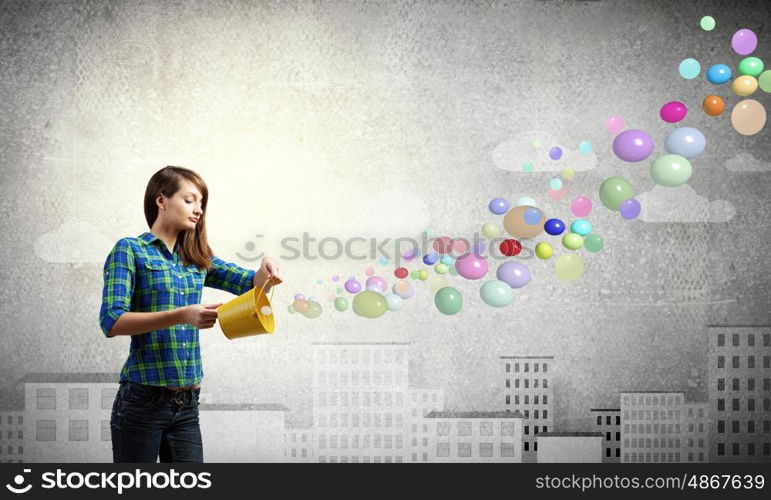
(441, 268)
(422, 275)
(614, 124)
(629, 209)
(443, 245)
(673, 111)
(744, 42)
(554, 227)
(744, 86)
(401, 273)
(369, 271)
(300, 305)
(496, 293)
(585, 147)
(490, 230)
(393, 302)
(544, 250)
(369, 304)
(633, 145)
(431, 258)
(718, 74)
(341, 304)
(377, 281)
(447, 260)
(299, 296)
(748, 117)
(448, 300)
(671, 170)
(314, 310)
(517, 226)
(559, 194)
(569, 267)
(290, 309)
(764, 81)
(689, 68)
(555, 153)
(750, 66)
(471, 266)
(614, 190)
(707, 23)
(568, 174)
(403, 289)
(581, 227)
(555, 183)
(515, 274)
(510, 247)
(525, 200)
(498, 206)
(713, 105)
(687, 142)
(581, 206)
(572, 241)
(594, 243)
(352, 286)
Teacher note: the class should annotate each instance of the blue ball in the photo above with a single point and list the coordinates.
(498, 206)
(532, 216)
(685, 141)
(447, 260)
(430, 258)
(554, 227)
(581, 227)
(718, 74)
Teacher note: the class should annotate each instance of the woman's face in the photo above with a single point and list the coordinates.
(183, 209)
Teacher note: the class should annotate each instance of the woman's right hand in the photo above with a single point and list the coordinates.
(200, 315)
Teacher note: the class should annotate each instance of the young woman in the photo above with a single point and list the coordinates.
(152, 291)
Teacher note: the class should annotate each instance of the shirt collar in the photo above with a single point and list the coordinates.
(148, 238)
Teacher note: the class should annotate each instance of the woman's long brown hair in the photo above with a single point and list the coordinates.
(194, 246)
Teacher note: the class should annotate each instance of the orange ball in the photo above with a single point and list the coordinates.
(713, 105)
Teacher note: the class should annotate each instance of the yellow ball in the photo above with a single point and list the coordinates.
(544, 250)
(490, 230)
(744, 85)
(572, 241)
(422, 275)
(568, 174)
(441, 268)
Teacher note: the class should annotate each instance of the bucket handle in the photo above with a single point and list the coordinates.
(262, 289)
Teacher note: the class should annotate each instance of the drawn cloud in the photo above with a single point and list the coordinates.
(745, 162)
(682, 204)
(512, 154)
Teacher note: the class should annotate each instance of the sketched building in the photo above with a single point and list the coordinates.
(695, 433)
(528, 390)
(67, 416)
(652, 426)
(360, 401)
(421, 403)
(12, 429)
(570, 447)
(608, 422)
(740, 393)
(475, 436)
(298, 441)
(242, 432)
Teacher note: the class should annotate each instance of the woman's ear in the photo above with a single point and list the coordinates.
(161, 202)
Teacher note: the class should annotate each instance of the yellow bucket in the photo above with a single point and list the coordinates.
(243, 317)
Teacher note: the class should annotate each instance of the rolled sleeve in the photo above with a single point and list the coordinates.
(229, 277)
(119, 270)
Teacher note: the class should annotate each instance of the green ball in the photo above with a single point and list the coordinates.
(448, 300)
(314, 310)
(441, 268)
(496, 293)
(369, 304)
(614, 190)
(671, 170)
(415, 274)
(751, 66)
(707, 23)
(341, 304)
(594, 243)
(290, 309)
(572, 241)
(765, 81)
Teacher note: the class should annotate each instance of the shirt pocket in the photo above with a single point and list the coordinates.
(196, 281)
(155, 275)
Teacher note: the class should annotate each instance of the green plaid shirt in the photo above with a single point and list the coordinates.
(141, 275)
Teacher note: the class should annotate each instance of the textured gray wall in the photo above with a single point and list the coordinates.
(375, 118)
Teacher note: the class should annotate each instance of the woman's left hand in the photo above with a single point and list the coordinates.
(269, 269)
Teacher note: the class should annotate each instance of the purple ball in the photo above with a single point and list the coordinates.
(352, 286)
(498, 206)
(515, 274)
(630, 209)
(377, 281)
(633, 145)
(744, 41)
(555, 153)
(299, 296)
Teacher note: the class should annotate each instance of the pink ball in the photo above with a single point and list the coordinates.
(581, 206)
(471, 266)
(614, 125)
(376, 280)
(673, 112)
(442, 245)
(460, 246)
(558, 194)
(369, 271)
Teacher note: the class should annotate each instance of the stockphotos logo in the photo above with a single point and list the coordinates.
(118, 481)
(18, 481)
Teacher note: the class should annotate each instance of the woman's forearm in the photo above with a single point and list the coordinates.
(137, 323)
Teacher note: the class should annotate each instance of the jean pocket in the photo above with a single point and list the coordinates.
(139, 396)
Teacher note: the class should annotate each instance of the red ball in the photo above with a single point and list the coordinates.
(510, 248)
(401, 273)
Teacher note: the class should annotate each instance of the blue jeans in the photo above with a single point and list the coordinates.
(148, 421)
